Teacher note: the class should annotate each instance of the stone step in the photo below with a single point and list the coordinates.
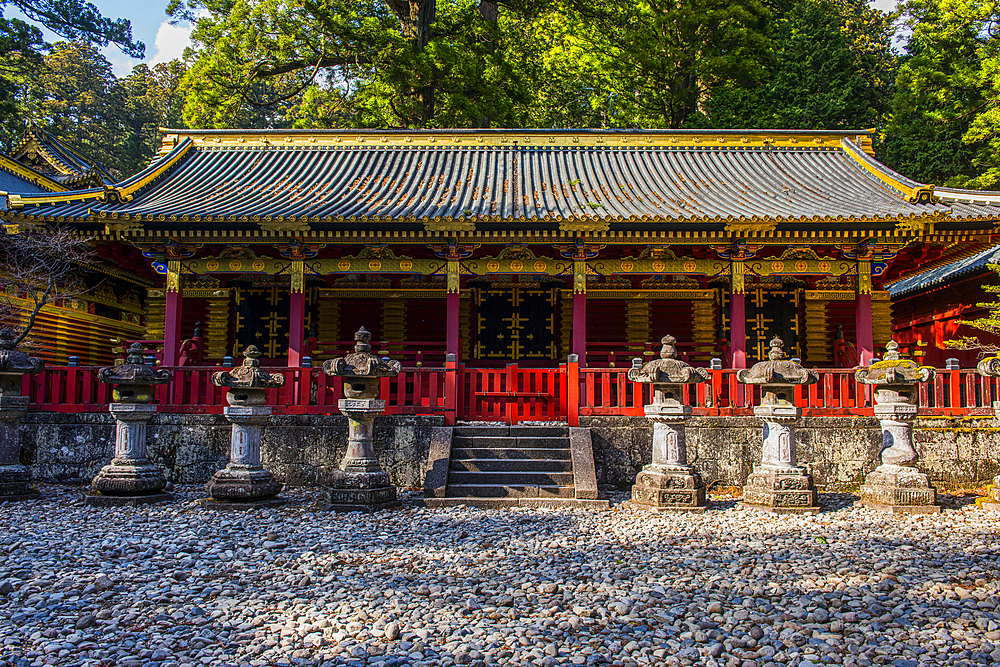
(511, 465)
(480, 431)
(501, 491)
(499, 430)
(513, 478)
(540, 431)
(472, 453)
(532, 442)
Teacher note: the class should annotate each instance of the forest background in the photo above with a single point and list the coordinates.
(926, 76)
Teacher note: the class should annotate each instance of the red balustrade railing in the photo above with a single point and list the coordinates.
(510, 394)
(411, 353)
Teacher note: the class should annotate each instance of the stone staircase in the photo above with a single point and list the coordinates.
(501, 466)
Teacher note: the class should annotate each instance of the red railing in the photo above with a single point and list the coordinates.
(410, 353)
(305, 391)
(510, 394)
(613, 355)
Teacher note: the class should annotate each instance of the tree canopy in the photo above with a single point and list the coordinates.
(797, 64)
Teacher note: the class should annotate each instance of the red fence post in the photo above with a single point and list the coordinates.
(573, 390)
(450, 389)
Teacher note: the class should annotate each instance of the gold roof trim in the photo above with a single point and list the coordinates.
(30, 175)
(511, 138)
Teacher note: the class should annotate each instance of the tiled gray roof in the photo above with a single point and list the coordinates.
(947, 273)
(540, 186)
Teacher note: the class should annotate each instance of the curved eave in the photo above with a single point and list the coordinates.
(27, 173)
(75, 206)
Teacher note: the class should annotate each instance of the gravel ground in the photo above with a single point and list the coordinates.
(174, 584)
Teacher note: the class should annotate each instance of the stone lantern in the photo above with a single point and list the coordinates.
(131, 478)
(896, 485)
(668, 483)
(244, 483)
(779, 484)
(15, 479)
(360, 484)
(990, 367)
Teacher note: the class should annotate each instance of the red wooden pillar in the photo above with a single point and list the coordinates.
(863, 314)
(296, 316)
(450, 389)
(578, 344)
(453, 343)
(738, 317)
(172, 316)
(573, 392)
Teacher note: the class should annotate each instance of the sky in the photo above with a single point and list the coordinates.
(165, 42)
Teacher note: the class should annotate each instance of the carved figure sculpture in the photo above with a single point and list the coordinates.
(244, 483)
(668, 482)
(360, 484)
(15, 479)
(779, 484)
(131, 478)
(896, 485)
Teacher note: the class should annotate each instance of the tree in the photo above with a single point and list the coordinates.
(832, 68)
(21, 43)
(140, 103)
(75, 92)
(664, 58)
(365, 63)
(944, 103)
(40, 267)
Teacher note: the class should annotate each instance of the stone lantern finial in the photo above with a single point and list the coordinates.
(896, 485)
(668, 351)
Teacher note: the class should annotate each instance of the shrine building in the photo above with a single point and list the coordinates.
(504, 246)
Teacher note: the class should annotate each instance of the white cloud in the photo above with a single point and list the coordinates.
(170, 42)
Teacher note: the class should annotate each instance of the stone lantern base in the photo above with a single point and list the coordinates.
(899, 490)
(780, 490)
(358, 491)
(669, 488)
(240, 488)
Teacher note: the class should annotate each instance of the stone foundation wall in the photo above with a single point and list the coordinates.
(303, 450)
(838, 451)
(299, 450)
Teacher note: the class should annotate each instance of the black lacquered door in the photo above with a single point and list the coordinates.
(516, 323)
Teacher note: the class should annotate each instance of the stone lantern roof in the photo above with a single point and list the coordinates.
(134, 371)
(12, 360)
(777, 370)
(894, 370)
(249, 375)
(668, 369)
(361, 362)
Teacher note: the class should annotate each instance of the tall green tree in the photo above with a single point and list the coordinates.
(944, 116)
(75, 91)
(141, 103)
(22, 46)
(416, 63)
(832, 68)
(661, 59)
